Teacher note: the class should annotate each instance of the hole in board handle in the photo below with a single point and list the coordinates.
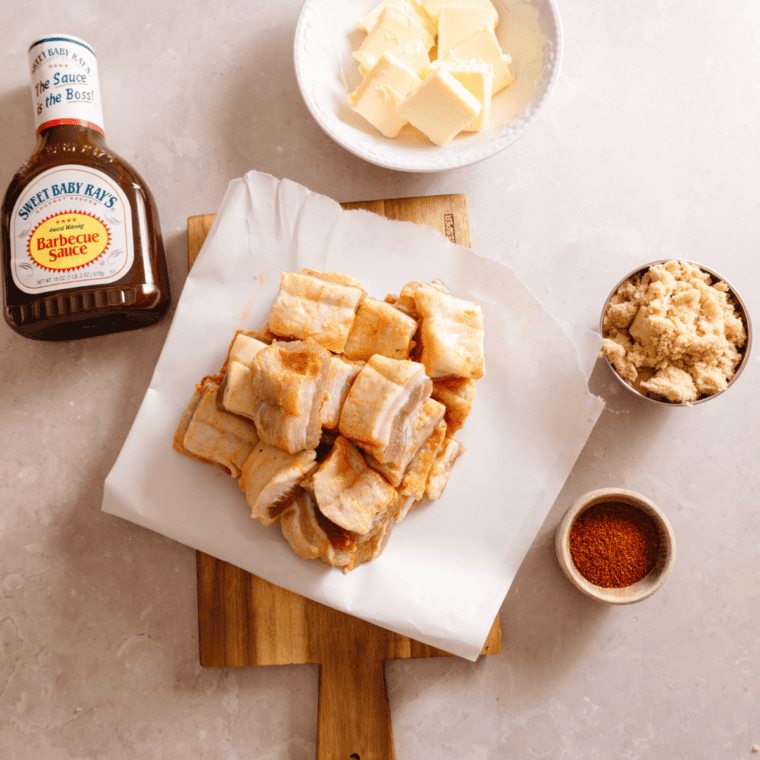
(354, 756)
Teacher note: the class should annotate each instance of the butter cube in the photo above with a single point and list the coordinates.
(394, 28)
(383, 88)
(457, 24)
(440, 107)
(433, 7)
(413, 55)
(485, 47)
(410, 7)
(477, 77)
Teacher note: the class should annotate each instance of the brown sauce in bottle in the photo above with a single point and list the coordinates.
(81, 239)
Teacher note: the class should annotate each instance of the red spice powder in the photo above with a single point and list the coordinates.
(614, 545)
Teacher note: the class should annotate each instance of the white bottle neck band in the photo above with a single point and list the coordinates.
(65, 85)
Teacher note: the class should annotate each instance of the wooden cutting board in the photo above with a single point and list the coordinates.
(244, 620)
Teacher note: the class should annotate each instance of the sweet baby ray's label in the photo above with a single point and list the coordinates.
(71, 226)
(65, 86)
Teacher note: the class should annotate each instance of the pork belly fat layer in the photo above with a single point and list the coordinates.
(347, 491)
(244, 349)
(237, 390)
(429, 417)
(441, 469)
(382, 407)
(216, 435)
(237, 396)
(457, 395)
(270, 479)
(340, 378)
(416, 476)
(301, 530)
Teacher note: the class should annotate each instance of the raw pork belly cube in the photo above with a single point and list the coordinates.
(316, 305)
(457, 395)
(416, 476)
(340, 378)
(429, 418)
(216, 435)
(439, 473)
(288, 383)
(451, 335)
(348, 492)
(300, 527)
(380, 328)
(383, 406)
(270, 479)
(237, 387)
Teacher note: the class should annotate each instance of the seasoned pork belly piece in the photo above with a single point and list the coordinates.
(372, 545)
(416, 476)
(287, 374)
(406, 300)
(380, 328)
(451, 335)
(237, 386)
(244, 348)
(348, 492)
(407, 505)
(270, 479)
(178, 442)
(311, 306)
(429, 418)
(312, 536)
(340, 377)
(301, 528)
(216, 435)
(264, 334)
(457, 395)
(288, 384)
(381, 410)
(338, 278)
(441, 469)
(342, 543)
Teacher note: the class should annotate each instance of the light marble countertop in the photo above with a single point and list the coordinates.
(647, 149)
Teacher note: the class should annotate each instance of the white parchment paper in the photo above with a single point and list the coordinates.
(449, 564)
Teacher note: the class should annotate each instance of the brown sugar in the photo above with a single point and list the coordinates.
(674, 333)
(614, 545)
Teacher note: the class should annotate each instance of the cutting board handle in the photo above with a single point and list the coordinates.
(354, 720)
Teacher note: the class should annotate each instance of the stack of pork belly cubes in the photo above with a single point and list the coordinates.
(337, 416)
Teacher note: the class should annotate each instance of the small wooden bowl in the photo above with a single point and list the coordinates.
(650, 582)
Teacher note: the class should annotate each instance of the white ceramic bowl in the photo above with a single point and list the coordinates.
(649, 583)
(740, 308)
(326, 35)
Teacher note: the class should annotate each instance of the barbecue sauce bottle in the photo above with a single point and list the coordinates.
(81, 241)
